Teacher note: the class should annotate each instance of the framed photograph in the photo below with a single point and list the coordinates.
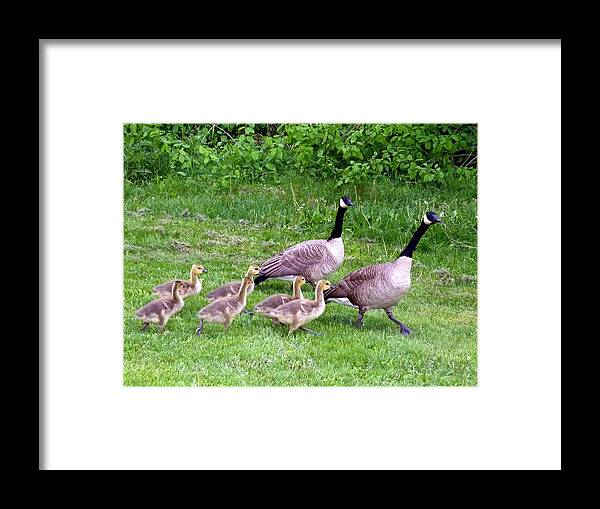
(241, 239)
(289, 255)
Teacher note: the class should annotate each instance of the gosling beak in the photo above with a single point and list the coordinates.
(204, 270)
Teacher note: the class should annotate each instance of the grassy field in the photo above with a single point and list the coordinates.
(173, 223)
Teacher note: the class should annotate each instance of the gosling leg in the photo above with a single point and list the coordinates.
(162, 321)
(403, 328)
(199, 328)
(145, 326)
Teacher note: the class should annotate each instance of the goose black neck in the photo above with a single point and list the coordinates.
(409, 249)
(339, 221)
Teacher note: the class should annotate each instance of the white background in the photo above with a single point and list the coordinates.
(511, 420)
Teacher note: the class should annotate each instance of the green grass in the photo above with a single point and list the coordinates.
(173, 223)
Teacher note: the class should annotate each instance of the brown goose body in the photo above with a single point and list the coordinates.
(297, 313)
(377, 286)
(161, 310)
(224, 310)
(312, 259)
(271, 303)
(188, 288)
(383, 285)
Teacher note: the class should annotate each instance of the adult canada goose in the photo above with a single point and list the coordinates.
(297, 313)
(160, 310)
(233, 288)
(274, 301)
(224, 310)
(313, 259)
(383, 285)
(188, 288)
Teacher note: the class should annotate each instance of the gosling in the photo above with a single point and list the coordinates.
(297, 313)
(271, 303)
(161, 310)
(188, 289)
(224, 310)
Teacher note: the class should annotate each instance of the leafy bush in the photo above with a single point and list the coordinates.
(348, 154)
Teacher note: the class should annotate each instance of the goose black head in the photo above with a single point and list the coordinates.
(431, 217)
(346, 202)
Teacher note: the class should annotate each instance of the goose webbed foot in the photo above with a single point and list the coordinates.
(403, 328)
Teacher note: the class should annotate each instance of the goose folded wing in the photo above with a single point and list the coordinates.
(295, 260)
(348, 286)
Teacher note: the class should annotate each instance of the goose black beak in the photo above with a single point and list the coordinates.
(435, 218)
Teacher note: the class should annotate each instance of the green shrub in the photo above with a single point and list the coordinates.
(347, 154)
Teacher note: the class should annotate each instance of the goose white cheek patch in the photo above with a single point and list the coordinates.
(425, 220)
(343, 204)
